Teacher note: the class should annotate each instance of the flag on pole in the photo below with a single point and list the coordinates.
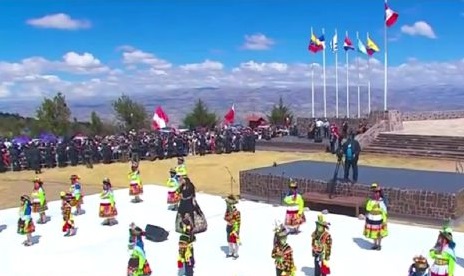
(390, 16)
(347, 44)
(361, 47)
(160, 119)
(316, 44)
(334, 43)
(371, 47)
(229, 118)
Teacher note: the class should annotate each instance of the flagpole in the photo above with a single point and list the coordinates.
(323, 76)
(385, 63)
(347, 83)
(359, 79)
(368, 82)
(336, 73)
(312, 84)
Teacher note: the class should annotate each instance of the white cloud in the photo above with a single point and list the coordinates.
(37, 77)
(206, 65)
(133, 56)
(257, 42)
(59, 21)
(420, 28)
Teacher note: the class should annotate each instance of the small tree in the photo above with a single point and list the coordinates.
(129, 113)
(280, 114)
(96, 124)
(200, 116)
(54, 114)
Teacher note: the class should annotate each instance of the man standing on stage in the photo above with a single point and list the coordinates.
(351, 149)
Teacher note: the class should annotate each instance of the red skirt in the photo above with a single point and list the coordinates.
(67, 225)
(107, 210)
(135, 189)
(292, 218)
(173, 197)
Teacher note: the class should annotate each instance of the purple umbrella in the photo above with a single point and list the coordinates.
(48, 138)
(22, 140)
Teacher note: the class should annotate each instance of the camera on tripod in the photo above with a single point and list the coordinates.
(339, 154)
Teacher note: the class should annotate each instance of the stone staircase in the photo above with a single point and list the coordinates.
(440, 147)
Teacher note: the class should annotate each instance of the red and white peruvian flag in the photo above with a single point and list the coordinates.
(229, 118)
(390, 16)
(160, 119)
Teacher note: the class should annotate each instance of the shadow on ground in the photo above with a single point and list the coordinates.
(362, 243)
(308, 271)
(3, 227)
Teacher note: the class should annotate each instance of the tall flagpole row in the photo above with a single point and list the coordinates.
(312, 84)
(385, 69)
(359, 79)
(368, 82)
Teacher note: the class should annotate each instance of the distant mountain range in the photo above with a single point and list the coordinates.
(178, 102)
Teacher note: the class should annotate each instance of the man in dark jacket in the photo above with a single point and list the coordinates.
(351, 150)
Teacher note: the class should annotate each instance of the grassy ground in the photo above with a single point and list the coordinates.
(209, 173)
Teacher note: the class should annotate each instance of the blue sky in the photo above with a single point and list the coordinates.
(87, 48)
(191, 31)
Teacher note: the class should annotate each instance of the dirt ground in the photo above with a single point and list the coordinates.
(209, 173)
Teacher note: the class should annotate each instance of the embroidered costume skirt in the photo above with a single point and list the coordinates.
(107, 210)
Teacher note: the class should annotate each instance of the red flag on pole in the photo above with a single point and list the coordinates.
(160, 119)
(390, 16)
(229, 118)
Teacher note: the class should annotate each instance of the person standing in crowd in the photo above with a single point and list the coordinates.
(174, 194)
(282, 254)
(443, 255)
(39, 202)
(25, 223)
(186, 257)
(76, 192)
(135, 185)
(294, 217)
(321, 247)
(108, 209)
(375, 227)
(351, 150)
(233, 220)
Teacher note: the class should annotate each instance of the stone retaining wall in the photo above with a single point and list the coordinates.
(409, 203)
(432, 115)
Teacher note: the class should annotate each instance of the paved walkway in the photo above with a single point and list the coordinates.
(452, 127)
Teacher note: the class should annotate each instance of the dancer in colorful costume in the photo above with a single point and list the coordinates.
(186, 258)
(138, 264)
(25, 224)
(69, 228)
(174, 193)
(76, 192)
(233, 219)
(443, 255)
(295, 211)
(181, 168)
(282, 253)
(420, 267)
(135, 183)
(376, 218)
(39, 202)
(321, 247)
(108, 209)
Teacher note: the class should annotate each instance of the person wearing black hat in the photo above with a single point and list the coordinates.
(321, 247)
(25, 224)
(233, 219)
(282, 254)
(443, 255)
(186, 257)
(173, 194)
(135, 183)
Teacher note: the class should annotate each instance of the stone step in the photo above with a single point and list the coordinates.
(418, 147)
(421, 137)
(415, 153)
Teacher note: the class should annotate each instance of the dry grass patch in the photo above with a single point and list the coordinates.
(208, 172)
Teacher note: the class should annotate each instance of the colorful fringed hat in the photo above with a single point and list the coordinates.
(37, 180)
(293, 184)
(420, 262)
(375, 187)
(172, 171)
(231, 200)
(25, 198)
(321, 221)
(447, 233)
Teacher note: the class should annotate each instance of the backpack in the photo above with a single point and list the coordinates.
(349, 152)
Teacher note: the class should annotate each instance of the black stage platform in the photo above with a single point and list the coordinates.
(403, 179)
